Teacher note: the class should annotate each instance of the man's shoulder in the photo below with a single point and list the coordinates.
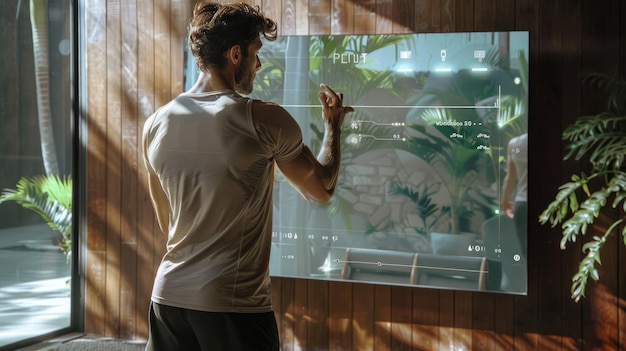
(274, 117)
(262, 107)
(265, 104)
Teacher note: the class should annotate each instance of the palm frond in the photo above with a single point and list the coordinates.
(609, 87)
(48, 196)
(602, 137)
(422, 197)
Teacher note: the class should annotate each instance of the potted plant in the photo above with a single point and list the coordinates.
(51, 198)
(601, 140)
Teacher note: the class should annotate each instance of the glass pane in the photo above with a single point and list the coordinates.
(35, 169)
(424, 159)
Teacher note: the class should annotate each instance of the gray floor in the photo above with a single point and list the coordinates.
(82, 342)
(34, 290)
(101, 345)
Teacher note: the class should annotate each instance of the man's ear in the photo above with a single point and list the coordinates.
(234, 54)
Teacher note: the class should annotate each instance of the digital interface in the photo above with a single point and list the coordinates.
(424, 158)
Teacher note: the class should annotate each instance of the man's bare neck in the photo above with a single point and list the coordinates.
(211, 81)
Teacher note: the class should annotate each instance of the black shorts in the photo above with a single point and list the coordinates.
(173, 328)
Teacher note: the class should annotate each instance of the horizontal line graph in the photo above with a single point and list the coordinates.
(391, 124)
(377, 138)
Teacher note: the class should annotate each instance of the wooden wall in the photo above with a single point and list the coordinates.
(134, 64)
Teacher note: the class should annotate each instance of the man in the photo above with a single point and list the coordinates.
(210, 155)
(515, 187)
(516, 181)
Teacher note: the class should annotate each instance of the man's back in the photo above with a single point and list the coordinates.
(216, 166)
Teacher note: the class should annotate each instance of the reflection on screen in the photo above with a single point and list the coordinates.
(424, 158)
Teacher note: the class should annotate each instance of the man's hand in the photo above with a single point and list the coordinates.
(507, 208)
(332, 106)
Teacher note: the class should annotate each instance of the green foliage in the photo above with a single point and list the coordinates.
(51, 198)
(353, 81)
(451, 148)
(269, 83)
(457, 163)
(600, 139)
(425, 208)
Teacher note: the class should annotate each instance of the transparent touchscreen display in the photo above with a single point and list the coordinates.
(433, 182)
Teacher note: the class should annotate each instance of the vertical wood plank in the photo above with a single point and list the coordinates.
(446, 320)
(342, 17)
(287, 319)
(525, 335)
(464, 16)
(114, 165)
(463, 311)
(318, 299)
(319, 16)
(302, 17)
(505, 15)
(128, 297)
(384, 16)
(527, 17)
(401, 318)
(485, 15)
(130, 136)
(340, 316)
(129, 169)
(162, 81)
(303, 315)
(145, 217)
(273, 10)
(176, 37)
(96, 122)
(363, 317)
(425, 319)
(448, 13)
(504, 320)
(162, 69)
(428, 16)
(622, 43)
(288, 18)
(382, 317)
(483, 313)
(96, 166)
(365, 17)
(95, 313)
(403, 16)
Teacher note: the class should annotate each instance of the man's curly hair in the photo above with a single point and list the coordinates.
(215, 28)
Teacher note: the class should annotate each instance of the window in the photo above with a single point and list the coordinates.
(36, 146)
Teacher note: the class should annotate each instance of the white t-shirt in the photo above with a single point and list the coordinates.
(216, 165)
